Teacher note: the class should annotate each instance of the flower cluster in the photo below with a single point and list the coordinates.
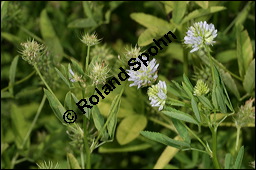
(90, 40)
(201, 88)
(157, 95)
(200, 35)
(145, 76)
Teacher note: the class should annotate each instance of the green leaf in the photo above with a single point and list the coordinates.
(146, 20)
(249, 78)
(205, 101)
(72, 162)
(130, 128)
(82, 23)
(179, 115)
(98, 119)
(187, 82)
(239, 158)
(161, 138)
(63, 77)
(230, 83)
(228, 159)
(55, 104)
(203, 4)
(4, 9)
(226, 56)
(13, 73)
(179, 11)
(50, 37)
(187, 90)
(147, 36)
(108, 148)
(202, 12)
(115, 105)
(244, 50)
(221, 99)
(182, 130)
(195, 108)
(77, 67)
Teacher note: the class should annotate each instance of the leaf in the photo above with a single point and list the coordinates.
(195, 109)
(203, 4)
(126, 148)
(111, 126)
(4, 9)
(50, 37)
(226, 56)
(202, 12)
(244, 50)
(63, 77)
(146, 20)
(205, 101)
(166, 156)
(130, 128)
(161, 138)
(55, 104)
(187, 90)
(13, 73)
(249, 78)
(98, 119)
(230, 83)
(187, 82)
(82, 23)
(72, 162)
(228, 159)
(147, 36)
(179, 115)
(182, 130)
(239, 158)
(179, 11)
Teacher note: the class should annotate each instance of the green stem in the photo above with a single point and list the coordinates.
(87, 59)
(82, 157)
(238, 129)
(185, 62)
(162, 123)
(42, 78)
(18, 82)
(214, 148)
(86, 144)
(34, 121)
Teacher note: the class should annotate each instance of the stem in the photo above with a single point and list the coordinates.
(162, 123)
(34, 121)
(207, 150)
(238, 129)
(185, 62)
(82, 157)
(87, 59)
(42, 78)
(18, 82)
(214, 148)
(86, 144)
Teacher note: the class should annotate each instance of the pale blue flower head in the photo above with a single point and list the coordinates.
(145, 76)
(200, 35)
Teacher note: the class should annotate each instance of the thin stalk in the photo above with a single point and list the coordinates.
(238, 129)
(34, 121)
(87, 59)
(18, 82)
(214, 148)
(82, 157)
(86, 144)
(42, 78)
(162, 123)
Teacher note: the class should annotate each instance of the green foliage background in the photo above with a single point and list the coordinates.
(60, 24)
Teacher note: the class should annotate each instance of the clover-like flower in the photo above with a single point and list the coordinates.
(99, 73)
(90, 40)
(145, 76)
(74, 77)
(200, 35)
(157, 95)
(201, 88)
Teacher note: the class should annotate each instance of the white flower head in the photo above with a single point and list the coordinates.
(157, 95)
(145, 76)
(199, 35)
